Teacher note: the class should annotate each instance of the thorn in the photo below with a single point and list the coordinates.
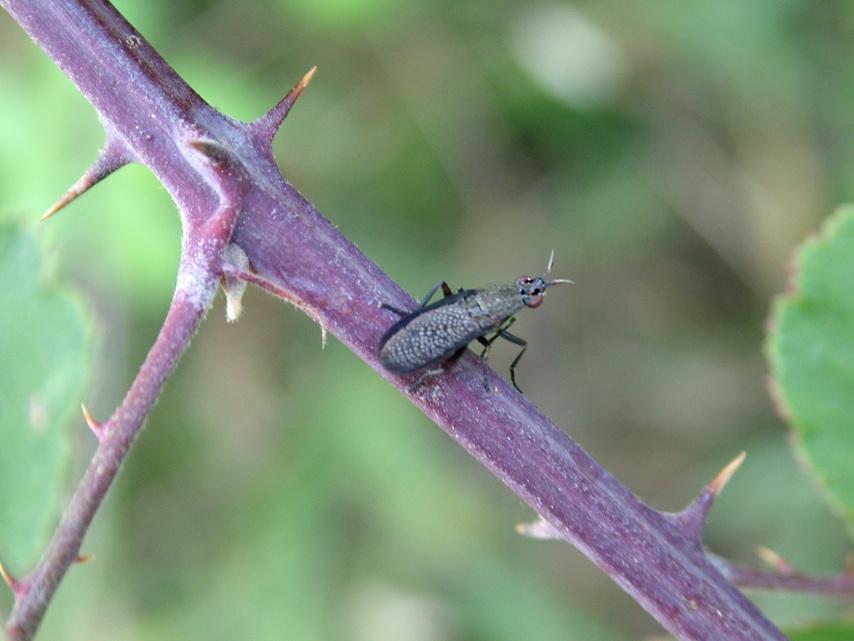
(776, 561)
(269, 123)
(719, 482)
(94, 425)
(303, 83)
(18, 588)
(84, 558)
(284, 107)
(111, 158)
(694, 516)
(311, 311)
(7, 577)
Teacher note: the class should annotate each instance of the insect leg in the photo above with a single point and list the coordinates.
(487, 344)
(436, 371)
(484, 356)
(397, 311)
(445, 290)
(503, 333)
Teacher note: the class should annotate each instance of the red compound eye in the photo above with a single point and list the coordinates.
(531, 290)
(535, 299)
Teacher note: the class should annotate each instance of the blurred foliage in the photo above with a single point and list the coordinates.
(46, 343)
(673, 154)
(839, 632)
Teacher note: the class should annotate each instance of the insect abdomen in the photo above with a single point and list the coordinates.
(432, 336)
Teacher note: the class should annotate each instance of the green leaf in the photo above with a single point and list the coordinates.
(811, 354)
(45, 343)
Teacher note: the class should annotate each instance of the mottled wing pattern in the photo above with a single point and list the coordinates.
(430, 336)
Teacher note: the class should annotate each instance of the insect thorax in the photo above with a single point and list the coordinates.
(495, 303)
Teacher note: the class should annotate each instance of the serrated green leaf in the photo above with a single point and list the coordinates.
(811, 353)
(45, 349)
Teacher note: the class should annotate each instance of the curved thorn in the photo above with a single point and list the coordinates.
(111, 158)
(85, 558)
(723, 477)
(268, 124)
(266, 285)
(94, 425)
(18, 588)
(10, 581)
(775, 560)
(694, 516)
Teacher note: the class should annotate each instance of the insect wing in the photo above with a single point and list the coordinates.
(429, 335)
(408, 318)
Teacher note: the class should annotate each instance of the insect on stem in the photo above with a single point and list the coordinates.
(434, 336)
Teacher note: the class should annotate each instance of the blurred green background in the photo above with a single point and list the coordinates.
(671, 153)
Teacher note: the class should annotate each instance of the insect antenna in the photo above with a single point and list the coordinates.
(556, 281)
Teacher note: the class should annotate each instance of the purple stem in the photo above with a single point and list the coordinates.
(218, 169)
(787, 579)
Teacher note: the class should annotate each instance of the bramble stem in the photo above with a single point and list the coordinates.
(118, 434)
(218, 170)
